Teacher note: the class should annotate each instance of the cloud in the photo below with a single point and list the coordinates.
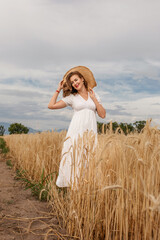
(42, 34)
(40, 40)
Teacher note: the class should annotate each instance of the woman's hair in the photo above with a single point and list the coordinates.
(67, 86)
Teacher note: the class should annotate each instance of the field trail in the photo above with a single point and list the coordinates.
(22, 217)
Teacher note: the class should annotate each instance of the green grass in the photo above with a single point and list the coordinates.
(4, 149)
(39, 189)
(9, 163)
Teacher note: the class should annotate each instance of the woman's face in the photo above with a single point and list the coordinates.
(77, 82)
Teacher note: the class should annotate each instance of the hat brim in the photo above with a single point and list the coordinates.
(86, 73)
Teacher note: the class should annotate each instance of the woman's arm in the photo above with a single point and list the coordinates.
(100, 109)
(57, 105)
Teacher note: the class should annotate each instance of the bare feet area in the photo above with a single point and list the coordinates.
(22, 216)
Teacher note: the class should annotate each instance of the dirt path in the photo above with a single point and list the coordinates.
(22, 217)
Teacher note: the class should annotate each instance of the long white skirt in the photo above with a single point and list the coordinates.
(80, 140)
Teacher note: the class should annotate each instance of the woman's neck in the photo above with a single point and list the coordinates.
(83, 90)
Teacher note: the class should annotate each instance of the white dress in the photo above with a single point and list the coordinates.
(84, 119)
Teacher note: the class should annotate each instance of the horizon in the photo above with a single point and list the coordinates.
(32, 130)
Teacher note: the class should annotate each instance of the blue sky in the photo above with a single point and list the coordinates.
(41, 39)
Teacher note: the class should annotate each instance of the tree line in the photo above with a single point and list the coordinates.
(18, 128)
(14, 128)
(125, 127)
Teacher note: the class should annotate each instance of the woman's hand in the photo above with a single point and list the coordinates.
(100, 109)
(92, 94)
(60, 86)
(53, 104)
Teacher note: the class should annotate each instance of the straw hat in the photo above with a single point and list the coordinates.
(86, 73)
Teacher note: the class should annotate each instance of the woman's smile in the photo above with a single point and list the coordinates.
(76, 85)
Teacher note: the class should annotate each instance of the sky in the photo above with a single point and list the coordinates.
(40, 40)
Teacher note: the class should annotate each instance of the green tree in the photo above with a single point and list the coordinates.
(127, 128)
(101, 127)
(2, 130)
(105, 126)
(139, 125)
(130, 128)
(17, 128)
(114, 126)
(123, 126)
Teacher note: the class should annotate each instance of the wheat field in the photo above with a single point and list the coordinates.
(118, 197)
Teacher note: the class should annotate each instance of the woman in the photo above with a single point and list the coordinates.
(77, 87)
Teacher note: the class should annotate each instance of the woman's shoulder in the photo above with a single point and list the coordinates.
(68, 99)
